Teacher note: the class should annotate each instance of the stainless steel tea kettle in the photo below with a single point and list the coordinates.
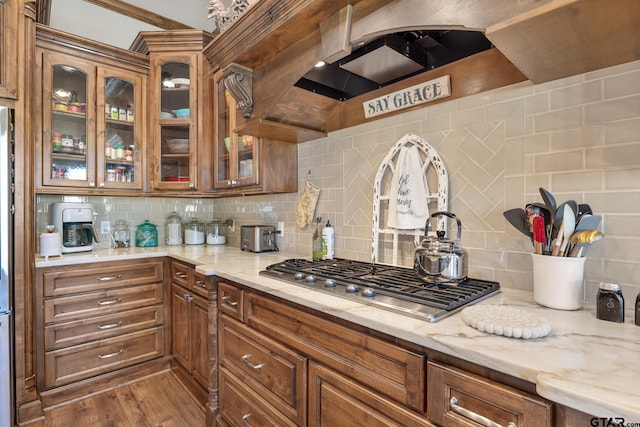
(437, 260)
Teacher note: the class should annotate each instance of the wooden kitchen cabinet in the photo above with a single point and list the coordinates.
(181, 132)
(334, 398)
(9, 16)
(194, 333)
(92, 134)
(457, 397)
(96, 320)
(287, 361)
(244, 163)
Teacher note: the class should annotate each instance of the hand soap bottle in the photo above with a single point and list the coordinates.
(316, 243)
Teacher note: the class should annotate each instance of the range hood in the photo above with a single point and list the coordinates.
(391, 58)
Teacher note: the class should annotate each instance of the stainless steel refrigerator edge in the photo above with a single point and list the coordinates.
(6, 269)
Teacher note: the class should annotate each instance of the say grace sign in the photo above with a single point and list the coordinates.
(405, 98)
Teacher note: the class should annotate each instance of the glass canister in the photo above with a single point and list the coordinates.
(121, 234)
(194, 232)
(174, 229)
(216, 232)
(146, 235)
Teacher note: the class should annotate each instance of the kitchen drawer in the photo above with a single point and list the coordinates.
(241, 407)
(334, 398)
(276, 373)
(104, 276)
(75, 363)
(181, 273)
(202, 284)
(231, 300)
(98, 303)
(382, 366)
(65, 334)
(456, 397)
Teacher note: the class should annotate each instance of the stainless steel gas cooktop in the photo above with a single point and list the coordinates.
(389, 287)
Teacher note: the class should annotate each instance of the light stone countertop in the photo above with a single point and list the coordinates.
(584, 363)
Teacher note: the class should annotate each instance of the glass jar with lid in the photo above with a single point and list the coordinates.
(194, 232)
(174, 229)
(146, 235)
(121, 234)
(216, 232)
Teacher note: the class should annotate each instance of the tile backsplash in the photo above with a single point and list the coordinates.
(578, 137)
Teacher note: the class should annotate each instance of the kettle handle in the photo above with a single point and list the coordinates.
(456, 243)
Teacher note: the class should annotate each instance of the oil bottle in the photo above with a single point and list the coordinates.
(316, 243)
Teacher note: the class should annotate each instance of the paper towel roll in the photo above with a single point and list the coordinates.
(50, 244)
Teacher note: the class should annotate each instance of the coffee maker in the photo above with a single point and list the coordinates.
(74, 221)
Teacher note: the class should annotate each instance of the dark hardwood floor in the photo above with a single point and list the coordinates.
(157, 400)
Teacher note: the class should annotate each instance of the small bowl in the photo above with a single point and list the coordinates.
(178, 146)
(166, 115)
(182, 113)
(179, 82)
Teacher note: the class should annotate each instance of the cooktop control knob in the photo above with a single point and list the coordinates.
(310, 278)
(329, 283)
(298, 276)
(368, 292)
(351, 289)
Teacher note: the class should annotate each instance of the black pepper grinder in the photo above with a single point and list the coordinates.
(638, 309)
(610, 305)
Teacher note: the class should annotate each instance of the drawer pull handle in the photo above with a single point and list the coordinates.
(475, 417)
(109, 302)
(188, 298)
(181, 275)
(109, 326)
(200, 283)
(245, 359)
(245, 417)
(106, 356)
(225, 300)
(108, 278)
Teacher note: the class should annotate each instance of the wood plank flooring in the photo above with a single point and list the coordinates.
(154, 401)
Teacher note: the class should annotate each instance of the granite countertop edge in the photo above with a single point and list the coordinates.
(584, 363)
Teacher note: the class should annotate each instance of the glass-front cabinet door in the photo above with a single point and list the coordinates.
(91, 135)
(175, 135)
(68, 140)
(237, 155)
(119, 129)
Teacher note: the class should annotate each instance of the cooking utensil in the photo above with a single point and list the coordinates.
(537, 209)
(539, 234)
(588, 222)
(582, 239)
(569, 225)
(549, 201)
(438, 260)
(518, 218)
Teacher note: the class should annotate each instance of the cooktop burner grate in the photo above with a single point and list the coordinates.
(390, 287)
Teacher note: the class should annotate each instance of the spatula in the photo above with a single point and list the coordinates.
(518, 218)
(569, 226)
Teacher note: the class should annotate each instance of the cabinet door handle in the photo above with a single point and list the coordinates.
(108, 278)
(245, 359)
(106, 356)
(475, 417)
(245, 417)
(225, 299)
(200, 283)
(181, 275)
(101, 184)
(109, 326)
(109, 302)
(92, 184)
(188, 298)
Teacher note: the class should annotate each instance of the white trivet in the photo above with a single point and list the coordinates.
(506, 321)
